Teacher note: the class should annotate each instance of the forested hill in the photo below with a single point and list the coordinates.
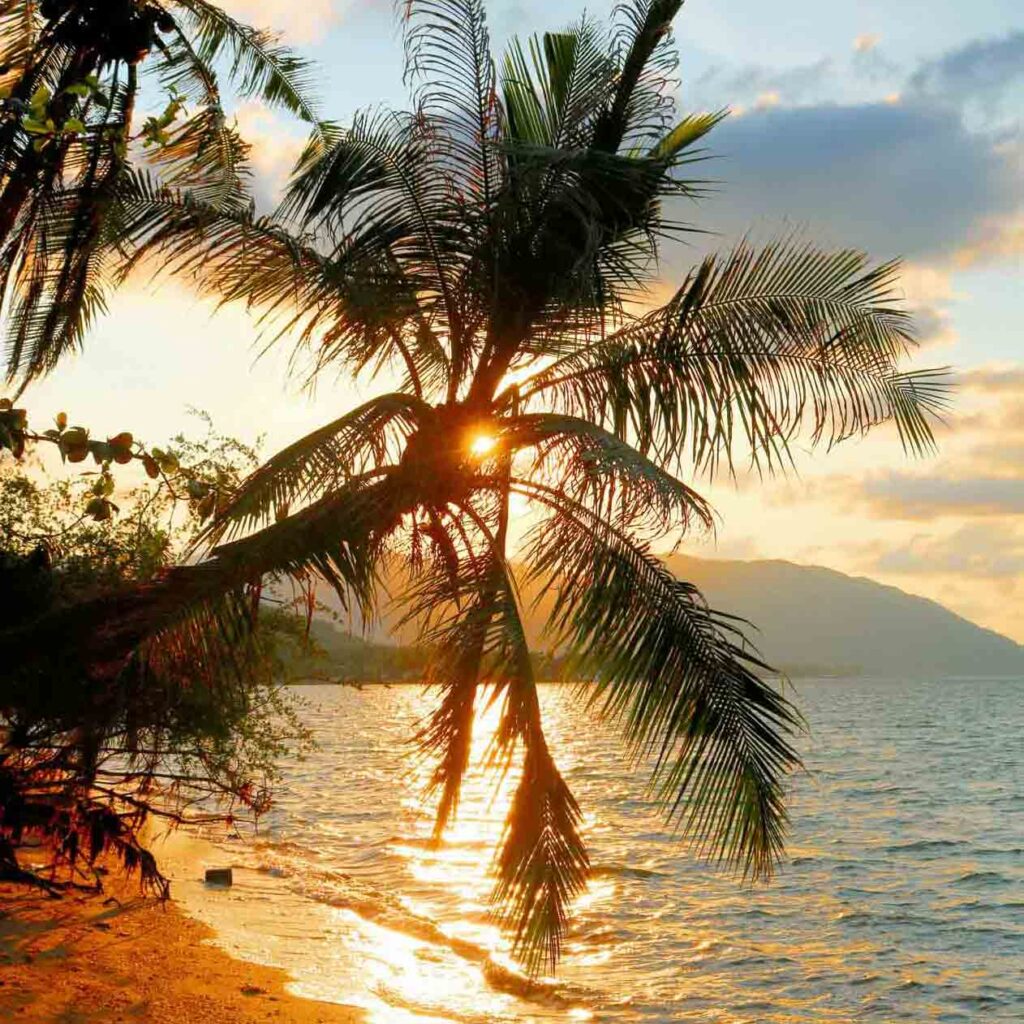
(809, 621)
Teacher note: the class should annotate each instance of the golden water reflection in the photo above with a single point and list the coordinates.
(886, 909)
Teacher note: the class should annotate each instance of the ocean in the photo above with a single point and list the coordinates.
(901, 897)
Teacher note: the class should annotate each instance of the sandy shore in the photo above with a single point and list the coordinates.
(87, 959)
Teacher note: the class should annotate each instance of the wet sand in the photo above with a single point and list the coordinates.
(120, 956)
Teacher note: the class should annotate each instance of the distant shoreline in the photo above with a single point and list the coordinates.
(836, 675)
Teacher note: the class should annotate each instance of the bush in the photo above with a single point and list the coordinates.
(187, 728)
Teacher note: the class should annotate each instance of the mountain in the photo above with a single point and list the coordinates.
(814, 621)
(811, 619)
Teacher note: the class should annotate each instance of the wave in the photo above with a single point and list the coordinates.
(921, 845)
(430, 843)
(344, 892)
(985, 877)
(613, 870)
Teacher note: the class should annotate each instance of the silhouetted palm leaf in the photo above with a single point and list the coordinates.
(68, 139)
(755, 346)
(679, 675)
(259, 65)
(481, 644)
(322, 462)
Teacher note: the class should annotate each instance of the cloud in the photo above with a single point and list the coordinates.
(980, 476)
(767, 99)
(897, 179)
(740, 87)
(927, 291)
(976, 549)
(988, 380)
(933, 327)
(914, 172)
(981, 69)
(274, 149)
(1000, 457)
(305, 22)
(994, 240)
(907, 496)
(869, 64)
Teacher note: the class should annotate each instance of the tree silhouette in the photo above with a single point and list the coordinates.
(491, 247)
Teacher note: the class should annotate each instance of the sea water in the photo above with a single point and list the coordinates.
(901, 896)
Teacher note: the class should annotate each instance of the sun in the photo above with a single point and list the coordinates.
(482, 444)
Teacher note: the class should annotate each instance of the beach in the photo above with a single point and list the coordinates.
(898, 898)
(121, 956)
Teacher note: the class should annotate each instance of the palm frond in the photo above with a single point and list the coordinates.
(448, 60)
(381, 192)
(206, 158)
(553, 95)
(365, 439)
(205, 155)
(214, 643)
(642, 105)
(57, 260)
(595, 468)
(754, 347)
(352, 310)
(62, 190)
(679, 676)
(20, 25)
(542, 865)
(341, 538)
(259, 65)
(583, 218)
(364, 174)
(682, 136)
(454, 602)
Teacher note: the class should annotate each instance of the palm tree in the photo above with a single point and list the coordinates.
(70, 73)
(492, 248)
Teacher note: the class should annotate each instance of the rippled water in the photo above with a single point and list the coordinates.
(903, 896)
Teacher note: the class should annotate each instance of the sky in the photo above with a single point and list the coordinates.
(892, 126)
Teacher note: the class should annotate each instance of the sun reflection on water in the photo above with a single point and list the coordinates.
(886, 902)
(484, 978)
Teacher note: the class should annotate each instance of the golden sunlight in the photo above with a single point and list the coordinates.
(482, 445)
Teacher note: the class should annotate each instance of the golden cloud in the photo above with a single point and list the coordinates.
(996, 239)
(297, 23)
(273, 152)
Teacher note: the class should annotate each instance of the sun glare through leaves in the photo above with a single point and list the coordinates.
(482, 445)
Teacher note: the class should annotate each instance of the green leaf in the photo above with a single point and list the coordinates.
(686, 133)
